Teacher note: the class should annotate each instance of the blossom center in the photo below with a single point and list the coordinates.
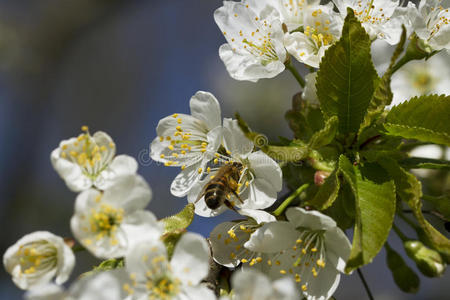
(366, 12)
(36, 255)
(87, 154)
(105, 220)
(318, 30)
(437, 19)
(185, 141)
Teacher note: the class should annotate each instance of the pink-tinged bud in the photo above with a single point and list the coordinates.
(320, 176)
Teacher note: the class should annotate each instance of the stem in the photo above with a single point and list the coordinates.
(400, 234)
(296, 74)
(370, 140)
(289, 199)
(366, 286)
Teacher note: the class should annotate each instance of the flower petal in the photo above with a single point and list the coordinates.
(196, 293)
(250, 284)
(338, 248)
(311, 219)
(234, 139)
(264, 167)
(147, 255)
(184, 181)
(71, 173)
(129, 192)
(102, 286)
(228, 251)
(272, 237)
(190, 260)
(204, 106)
(259, 216)
(246, 67)
(120, 166)
(323, 286)
(259, 194)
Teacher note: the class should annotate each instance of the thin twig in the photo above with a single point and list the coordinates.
(296, 74)
(366, 286)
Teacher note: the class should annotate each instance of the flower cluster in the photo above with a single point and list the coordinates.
(346, 166)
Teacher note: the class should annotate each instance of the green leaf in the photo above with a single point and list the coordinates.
(405, 278)
(106, 265)
(424, 163)
(343, 208)
(327, 193)
(383, 94)
(422, 118)
(326, 135)
(409, 190)
(375, 208)
(170, 240)
(181, 220)
(292, 153)
(345, 80)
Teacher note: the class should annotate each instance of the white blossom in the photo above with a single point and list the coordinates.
(38, 257)
(292, 13)
(88, 160)
(420, 77)
(316, 251)
(189, 141)
(227, 239)
(260, 176)
(382, 19)
(322, 27)
(431, 23)
(154, 276)
(107, 222)
(105, 285)
(254, 285)
(254, 48)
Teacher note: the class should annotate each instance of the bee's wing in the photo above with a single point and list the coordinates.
(202, 193)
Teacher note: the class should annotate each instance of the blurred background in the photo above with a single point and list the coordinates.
(119, 67)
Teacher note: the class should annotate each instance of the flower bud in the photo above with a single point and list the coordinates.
(38, 257)
(429, 261)
(320, 176)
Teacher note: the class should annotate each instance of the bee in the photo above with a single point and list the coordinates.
(219, 189)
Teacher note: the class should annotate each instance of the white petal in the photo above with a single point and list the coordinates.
(49, 291)
(338, 248)
(311, 219)
(284, 288)
(259, 216)
(66, 262)
(323, 286)
(140, 225)
(184, 181)
(259, 194)
(204, 106)
(234, 139)
(264, 167)
(168, 125)
(251, 284)
(131, 192)
(246, 67)
(102, 286)
(190, 260)
(226, 250)
(196, 293)
(120, 166)
(140, 258)
(303, 49)
(272, 237)
(71, 173)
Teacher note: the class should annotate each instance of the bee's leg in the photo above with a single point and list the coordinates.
(229, 205)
